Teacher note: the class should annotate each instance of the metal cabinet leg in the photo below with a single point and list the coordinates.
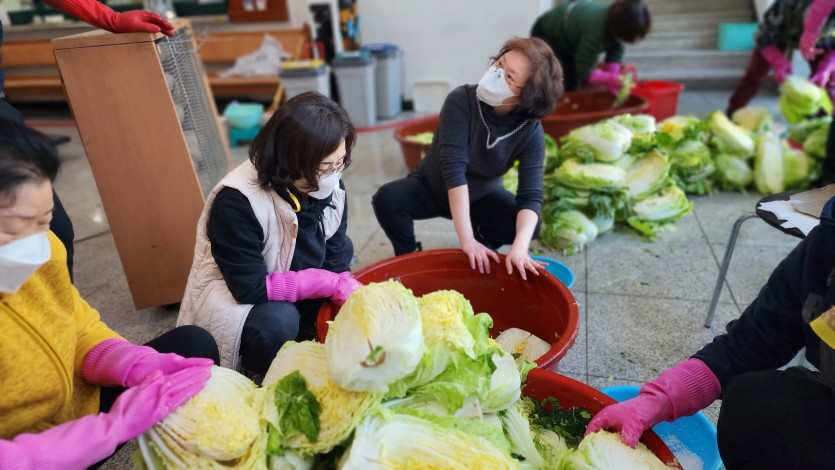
(723, 269)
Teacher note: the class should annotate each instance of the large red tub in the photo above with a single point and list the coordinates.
(542, 384)
(575, 109)
(541, 305)
(579, 108)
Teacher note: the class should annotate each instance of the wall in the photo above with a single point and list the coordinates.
(446, 40)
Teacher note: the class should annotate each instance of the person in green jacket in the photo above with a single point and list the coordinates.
(578, 31)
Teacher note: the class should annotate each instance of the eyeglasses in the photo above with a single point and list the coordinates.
(500, 64)
(329, 168)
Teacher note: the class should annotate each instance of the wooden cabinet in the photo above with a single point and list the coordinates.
(149, 126)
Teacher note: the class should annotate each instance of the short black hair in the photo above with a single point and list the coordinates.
(26, 156)
(628, 20)
(544, 87)
(297, 138)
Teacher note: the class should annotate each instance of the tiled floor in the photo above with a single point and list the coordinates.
(642, 305)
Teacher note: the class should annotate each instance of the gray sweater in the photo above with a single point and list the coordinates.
(459, 155)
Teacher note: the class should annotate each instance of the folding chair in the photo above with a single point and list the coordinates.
(766, 216)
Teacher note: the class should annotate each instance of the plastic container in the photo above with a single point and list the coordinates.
(541, 305)
(244, 115)
(413, 152)
(736, 36)
(299, 80)
(578, 108)
(691, 438)
(558, 269)
(355, 79)
(662, 97)
(572, 394)
(388, 77)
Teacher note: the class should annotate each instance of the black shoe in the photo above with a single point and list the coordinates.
(419, 246)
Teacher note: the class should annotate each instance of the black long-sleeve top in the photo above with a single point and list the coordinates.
(459, 154)
(776, 325)
(237, 240)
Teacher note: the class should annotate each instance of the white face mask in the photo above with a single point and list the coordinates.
(20, 259)
(326, 186)
(493, 88)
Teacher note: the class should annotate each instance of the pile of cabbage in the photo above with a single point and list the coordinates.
(401, 382)
(624, 169)
(632, 170)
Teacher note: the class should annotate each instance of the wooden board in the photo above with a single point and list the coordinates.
(140, 161)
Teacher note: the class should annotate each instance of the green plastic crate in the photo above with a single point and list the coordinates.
(737, 36)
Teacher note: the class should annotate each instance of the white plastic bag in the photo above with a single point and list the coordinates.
(264, 61)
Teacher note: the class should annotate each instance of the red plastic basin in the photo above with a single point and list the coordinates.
(541, 305)
(413, 151)
(542, 384)
(579, 108)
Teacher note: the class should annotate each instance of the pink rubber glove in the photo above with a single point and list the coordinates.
(118, 362)
(312, 283)
(681, 390)
(823, 74)
(608, 76)
(818, 11)
(82, 442)
(101, 16)
(778, 62)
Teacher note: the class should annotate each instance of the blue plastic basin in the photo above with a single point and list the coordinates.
(691, 438)
(244, 115)
(558, 269)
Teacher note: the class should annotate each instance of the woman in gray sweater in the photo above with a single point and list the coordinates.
(483, 130)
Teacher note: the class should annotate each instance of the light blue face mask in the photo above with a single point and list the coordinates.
(493, 88)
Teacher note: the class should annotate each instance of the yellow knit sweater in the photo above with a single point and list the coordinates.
(46, 330)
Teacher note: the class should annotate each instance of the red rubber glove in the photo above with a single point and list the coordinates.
(102, 16)
(118, 362)
(778, 62)
(312, 283)
(82, 442)
(826, 67)
(681, 390)
(818, 11)
(609, 76)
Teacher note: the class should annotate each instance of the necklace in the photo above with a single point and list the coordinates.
(498, 139)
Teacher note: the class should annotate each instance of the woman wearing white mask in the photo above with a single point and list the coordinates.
(72, 389)
(272, 242)
(483, 130)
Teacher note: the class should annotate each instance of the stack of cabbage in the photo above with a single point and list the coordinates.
(624, 169)
(619, 170)
(401, 382)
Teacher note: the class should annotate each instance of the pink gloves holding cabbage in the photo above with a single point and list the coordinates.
(679, 391)
(608, 76)
(157, 384)
(817, 13)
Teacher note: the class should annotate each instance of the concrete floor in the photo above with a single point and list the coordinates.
(642, 305)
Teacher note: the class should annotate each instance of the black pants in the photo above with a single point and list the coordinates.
(777, 420)
(399, 203)
(268, 326)
(187, 341)
(61, 224)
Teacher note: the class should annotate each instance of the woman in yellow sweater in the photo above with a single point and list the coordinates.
(72, 389)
